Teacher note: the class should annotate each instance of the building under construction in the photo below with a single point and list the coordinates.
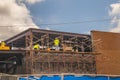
(78, 53)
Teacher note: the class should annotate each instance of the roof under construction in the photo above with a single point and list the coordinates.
(39, 34)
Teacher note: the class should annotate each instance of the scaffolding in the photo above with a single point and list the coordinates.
(66, 60)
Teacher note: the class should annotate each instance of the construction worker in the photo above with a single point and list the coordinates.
(36, 47)
(3, 44)
(56, 43)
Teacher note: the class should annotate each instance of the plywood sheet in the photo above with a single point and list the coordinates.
(108, 44)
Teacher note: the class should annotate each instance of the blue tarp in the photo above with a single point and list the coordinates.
(85, 78)
(21, 78)
(101, 78)
(50, 78)
(70, 77)
(77, 78)
(114, 78)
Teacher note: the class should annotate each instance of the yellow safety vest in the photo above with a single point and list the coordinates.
(56, 42)
(36, 46)
(2, 44)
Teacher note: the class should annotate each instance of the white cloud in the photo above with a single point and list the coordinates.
(33, 1)
(14, 18)
(47, 28)
(115, 14)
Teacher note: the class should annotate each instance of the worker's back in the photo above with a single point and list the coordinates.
(56, 42)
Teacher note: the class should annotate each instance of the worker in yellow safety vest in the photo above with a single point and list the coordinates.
(56, 43)
(3, 44)
(36, 47)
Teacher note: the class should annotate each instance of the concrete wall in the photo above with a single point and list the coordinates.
(108, 44)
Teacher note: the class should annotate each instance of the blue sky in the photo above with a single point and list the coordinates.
(19, 15)
(62, 11)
